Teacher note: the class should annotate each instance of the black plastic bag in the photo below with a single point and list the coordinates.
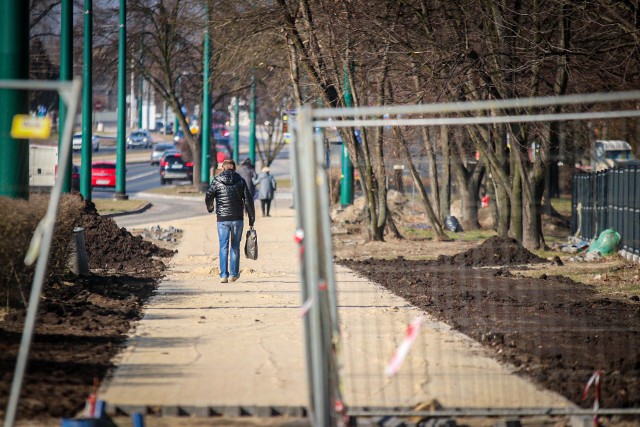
(452, 224)
(251, 244)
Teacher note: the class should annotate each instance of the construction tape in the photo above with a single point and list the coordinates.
(304, 308)
(595, 381)
(403, 349)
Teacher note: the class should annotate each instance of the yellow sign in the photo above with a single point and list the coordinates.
(25, 126)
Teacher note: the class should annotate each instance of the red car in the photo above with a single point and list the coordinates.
(103, 174)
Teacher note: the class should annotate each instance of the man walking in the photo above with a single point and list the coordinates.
(232, 198)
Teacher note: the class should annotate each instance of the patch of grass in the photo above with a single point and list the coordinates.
(546, 254)
(562, 205)
(465, 236)
(284, 183)
(109, 206)
(177, 190)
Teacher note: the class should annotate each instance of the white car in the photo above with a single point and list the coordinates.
(77, 142)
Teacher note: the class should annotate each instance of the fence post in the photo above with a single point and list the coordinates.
(319, 318)
(635, 185)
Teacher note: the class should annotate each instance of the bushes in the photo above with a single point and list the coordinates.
(19, 220)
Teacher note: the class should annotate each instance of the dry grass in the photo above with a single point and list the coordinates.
(20, 219)
(108, 206)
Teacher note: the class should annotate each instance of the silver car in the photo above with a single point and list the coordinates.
(139, 138)
(159, 150)
(76, 142)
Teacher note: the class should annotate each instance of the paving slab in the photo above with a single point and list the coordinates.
(205, 344)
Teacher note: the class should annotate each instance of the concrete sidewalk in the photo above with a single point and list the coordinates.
(205, 348)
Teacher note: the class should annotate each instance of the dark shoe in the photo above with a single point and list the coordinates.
(225, 280)
(233, 278)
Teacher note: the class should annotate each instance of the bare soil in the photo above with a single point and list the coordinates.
(556, 331)
(83, 321)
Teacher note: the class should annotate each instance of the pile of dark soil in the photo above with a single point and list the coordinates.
(495, 251)
(555, 331)
(112, 248)
(82, 322)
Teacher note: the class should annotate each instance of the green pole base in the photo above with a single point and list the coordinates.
(120, 196)
(203, 187)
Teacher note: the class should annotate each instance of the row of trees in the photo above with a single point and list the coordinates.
(427, 51)
(416, 51)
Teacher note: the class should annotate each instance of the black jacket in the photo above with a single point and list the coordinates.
(232, 196)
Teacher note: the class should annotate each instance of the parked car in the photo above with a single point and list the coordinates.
(223, 152)
(223, 148)
(173, 167)
(220, 132)
(103, 174)
(139, 138)
(75, 177)
(178, 137)
(159, 150)
(76, 142)
(160, 127)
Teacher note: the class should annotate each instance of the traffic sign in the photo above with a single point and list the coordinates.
(98, 106)
(26, 127)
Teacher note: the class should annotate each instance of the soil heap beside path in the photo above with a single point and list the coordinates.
(82, 321)
(495, 251)
(553, 330)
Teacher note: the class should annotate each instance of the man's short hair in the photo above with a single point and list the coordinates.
(229, 165)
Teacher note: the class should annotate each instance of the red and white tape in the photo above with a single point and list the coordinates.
(403, 349)
(595, 381)
(304, 308)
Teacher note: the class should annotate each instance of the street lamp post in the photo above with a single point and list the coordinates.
(236, 130)
(66, 71)
(346, 184)
(14, 57)
(252, 117)
(121, 159)
(206, 112)
(87, 102)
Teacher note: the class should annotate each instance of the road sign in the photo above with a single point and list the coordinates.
(98, 106)
(26, 127)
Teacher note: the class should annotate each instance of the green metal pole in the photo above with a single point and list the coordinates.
(252, 118)
(66, 72)
(176, 124)
(346, 184)
(14, 64)
(236, 130)
(121, 159)
(87, 101)
(206, 113)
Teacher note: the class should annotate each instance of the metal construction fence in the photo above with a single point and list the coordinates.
(608, 199)
(372, 353)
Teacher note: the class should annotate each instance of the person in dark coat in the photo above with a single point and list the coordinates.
(232, 198)
(248, 172)
(267, 184)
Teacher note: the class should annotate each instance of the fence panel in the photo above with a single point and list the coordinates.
(608, 199)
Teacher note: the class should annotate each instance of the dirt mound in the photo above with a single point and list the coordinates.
(81, 326)
(494, 251)
(553, 330)
(111, 247)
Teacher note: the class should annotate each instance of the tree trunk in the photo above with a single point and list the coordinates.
(428, 134)
(431, 216)
(445, 182)
(516, 206)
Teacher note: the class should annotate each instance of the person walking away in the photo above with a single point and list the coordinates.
(248, 172)
(232, 198)
(267, 184)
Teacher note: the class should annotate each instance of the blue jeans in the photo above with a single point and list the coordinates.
(230, 232)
